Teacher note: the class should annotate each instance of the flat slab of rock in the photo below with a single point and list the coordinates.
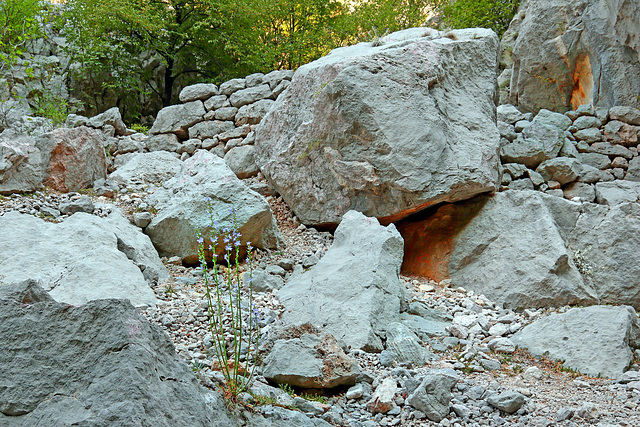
(182, 209)
(597, 340)
(354, 291)
(80, 259)
(310, 359)
(97, 364)
(386, 130)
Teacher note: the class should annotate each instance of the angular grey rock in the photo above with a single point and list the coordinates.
(595, 340)
(361, 269)
(311, 360)
(585, 122)
(226, 113)
(633, 172)
(552, 119)
(602, 253)
(590, 135)
(274, 78)
(383, 399)
(517, 229)
(231, 86)
(110, 117)
(209, 129)
(509, 114)
(611, 150)
(199, 91)
(426, 325)
(82, 258)
(382, 129)
(583, 191)
(242, 162)
(405, 345)
(75, 120)
(618, 132)
(216, 102)
(261, 281)
(508, 401)
(538, 143)
(250, 95)
(434, 393)
(616, 192)
(98, 364)
(21, 164)
(253, 113)
(142, 219)
(182, 209)
(81, 204)
(147, 168)
(625, 114)
(561, 169)
(163, 142)
(572, 52)
(178, 118)
(599, 161)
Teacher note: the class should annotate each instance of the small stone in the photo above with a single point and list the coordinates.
(532, 373)
(382, 400)
(507, 401)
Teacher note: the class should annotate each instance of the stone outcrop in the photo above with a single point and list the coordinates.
(568, 53)
(147, 168)
(527, 249)
(80, 259)
(597, 341)
(64, 159)
(385, 130)
(181, 206)
(354, 291)
(120, 370)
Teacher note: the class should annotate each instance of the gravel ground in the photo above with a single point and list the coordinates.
(553, 395)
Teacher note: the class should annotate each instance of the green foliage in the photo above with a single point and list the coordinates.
(53, 107)
(287, 389)
(19, 23)
(140, 128)
(494, 14)
(224, 294)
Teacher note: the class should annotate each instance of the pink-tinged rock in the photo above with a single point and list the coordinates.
(76, 158)
(382, 400)
(386, 130)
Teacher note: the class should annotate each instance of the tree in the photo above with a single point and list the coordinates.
(118, 43)
(494, 14)
(19, 23)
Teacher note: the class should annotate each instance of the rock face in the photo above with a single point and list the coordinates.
(182, 209)
(97, 364)
(354, 291)
(570, 53)
(310, 360)
(81, 259)
(507, 247)
(385, 130)
(528, 249)
(64, 159)
(596, 340)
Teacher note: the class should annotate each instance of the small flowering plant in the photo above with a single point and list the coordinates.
(224, 293)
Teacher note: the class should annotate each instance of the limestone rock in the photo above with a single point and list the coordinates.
(110, 117)
(385, 130)
(433, 395)
(595, 340)
(573, 52)
(82, 258)
(97, 364)
(182, 209)
(178, 118)
(354, 291)
(147, 168)
(199, 91)
(311, 360)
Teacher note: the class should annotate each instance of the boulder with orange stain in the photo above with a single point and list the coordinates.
(505, 246)
(76, 158)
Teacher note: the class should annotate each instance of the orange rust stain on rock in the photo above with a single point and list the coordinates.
(61, 157)
(430, 236)
(582, 92)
